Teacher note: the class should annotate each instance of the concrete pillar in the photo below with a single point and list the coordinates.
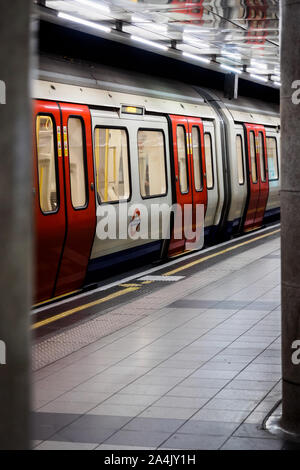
(290, 213)
(15, 222)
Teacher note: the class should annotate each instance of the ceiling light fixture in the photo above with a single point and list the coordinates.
(258, 64)
(149, 43)
(97, 6)
(89, 24)
(258, 77)
(196, 57)
(231, 69)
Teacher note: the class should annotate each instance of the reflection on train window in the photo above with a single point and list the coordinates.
(182, 159)
(272, 158)
(253, 157)
(240, 159)
(152, 166)
(46, 164)
(112, 164)
(77, 167)
(261, 151)
(209, 161)
(197, 159)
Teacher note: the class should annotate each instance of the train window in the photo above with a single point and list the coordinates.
(77, 167)
(240, 159)
(272, 152)
(152, 163)
(253, 157)
(46, 164)
(112, 164)
(209, 161)
(198, 172)
(261, 151)
(182, 159)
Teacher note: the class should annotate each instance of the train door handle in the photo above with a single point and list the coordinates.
(92, 186)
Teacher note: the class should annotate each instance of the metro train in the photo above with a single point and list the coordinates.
(103, 135)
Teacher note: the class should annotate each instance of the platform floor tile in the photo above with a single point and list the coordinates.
(199, 368)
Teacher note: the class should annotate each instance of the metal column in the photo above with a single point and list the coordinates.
(290, 213)
(15, 221)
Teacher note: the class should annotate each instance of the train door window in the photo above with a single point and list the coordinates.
(272, 152)
(152, 163)
(198, 172)
(112, 164)
(240, 159)
(182, 159)
(261, 151)
(209, 160)
(77, 166)
(253, 157)
(46, 164)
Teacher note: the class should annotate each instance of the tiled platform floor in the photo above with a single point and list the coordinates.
(199, 373)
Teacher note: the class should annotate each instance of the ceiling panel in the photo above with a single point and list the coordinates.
(243, 34)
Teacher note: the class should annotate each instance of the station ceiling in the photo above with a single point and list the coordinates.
(233, 36)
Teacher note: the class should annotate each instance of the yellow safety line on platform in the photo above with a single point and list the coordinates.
(130, 285)
(82, 307)
(56, 298)
(198, 261)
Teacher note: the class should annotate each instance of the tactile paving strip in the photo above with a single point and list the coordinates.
(63, 344)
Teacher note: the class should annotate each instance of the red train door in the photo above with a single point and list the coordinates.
(197, 165)
(79, 195)
(49, 197)
(187, 136)
(257, 177)
(262, 159)
(184, 195)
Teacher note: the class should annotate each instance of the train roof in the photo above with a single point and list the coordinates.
(62, 79)
(244, 109)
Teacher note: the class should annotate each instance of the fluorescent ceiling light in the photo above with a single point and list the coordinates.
(256, 71)
(149, 43)
(195, 29)
(89, 24)
(232, 69)
(97, 6)
(277, 83)
(233, 55)
(138, 19)
(196, 57)
(162, 28)
(193, 40)
(258, 64)
(258, 77)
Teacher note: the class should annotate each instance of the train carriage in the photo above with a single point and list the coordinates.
(108, 137)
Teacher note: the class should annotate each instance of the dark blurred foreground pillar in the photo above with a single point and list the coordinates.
(15, 222)
(290, 214)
